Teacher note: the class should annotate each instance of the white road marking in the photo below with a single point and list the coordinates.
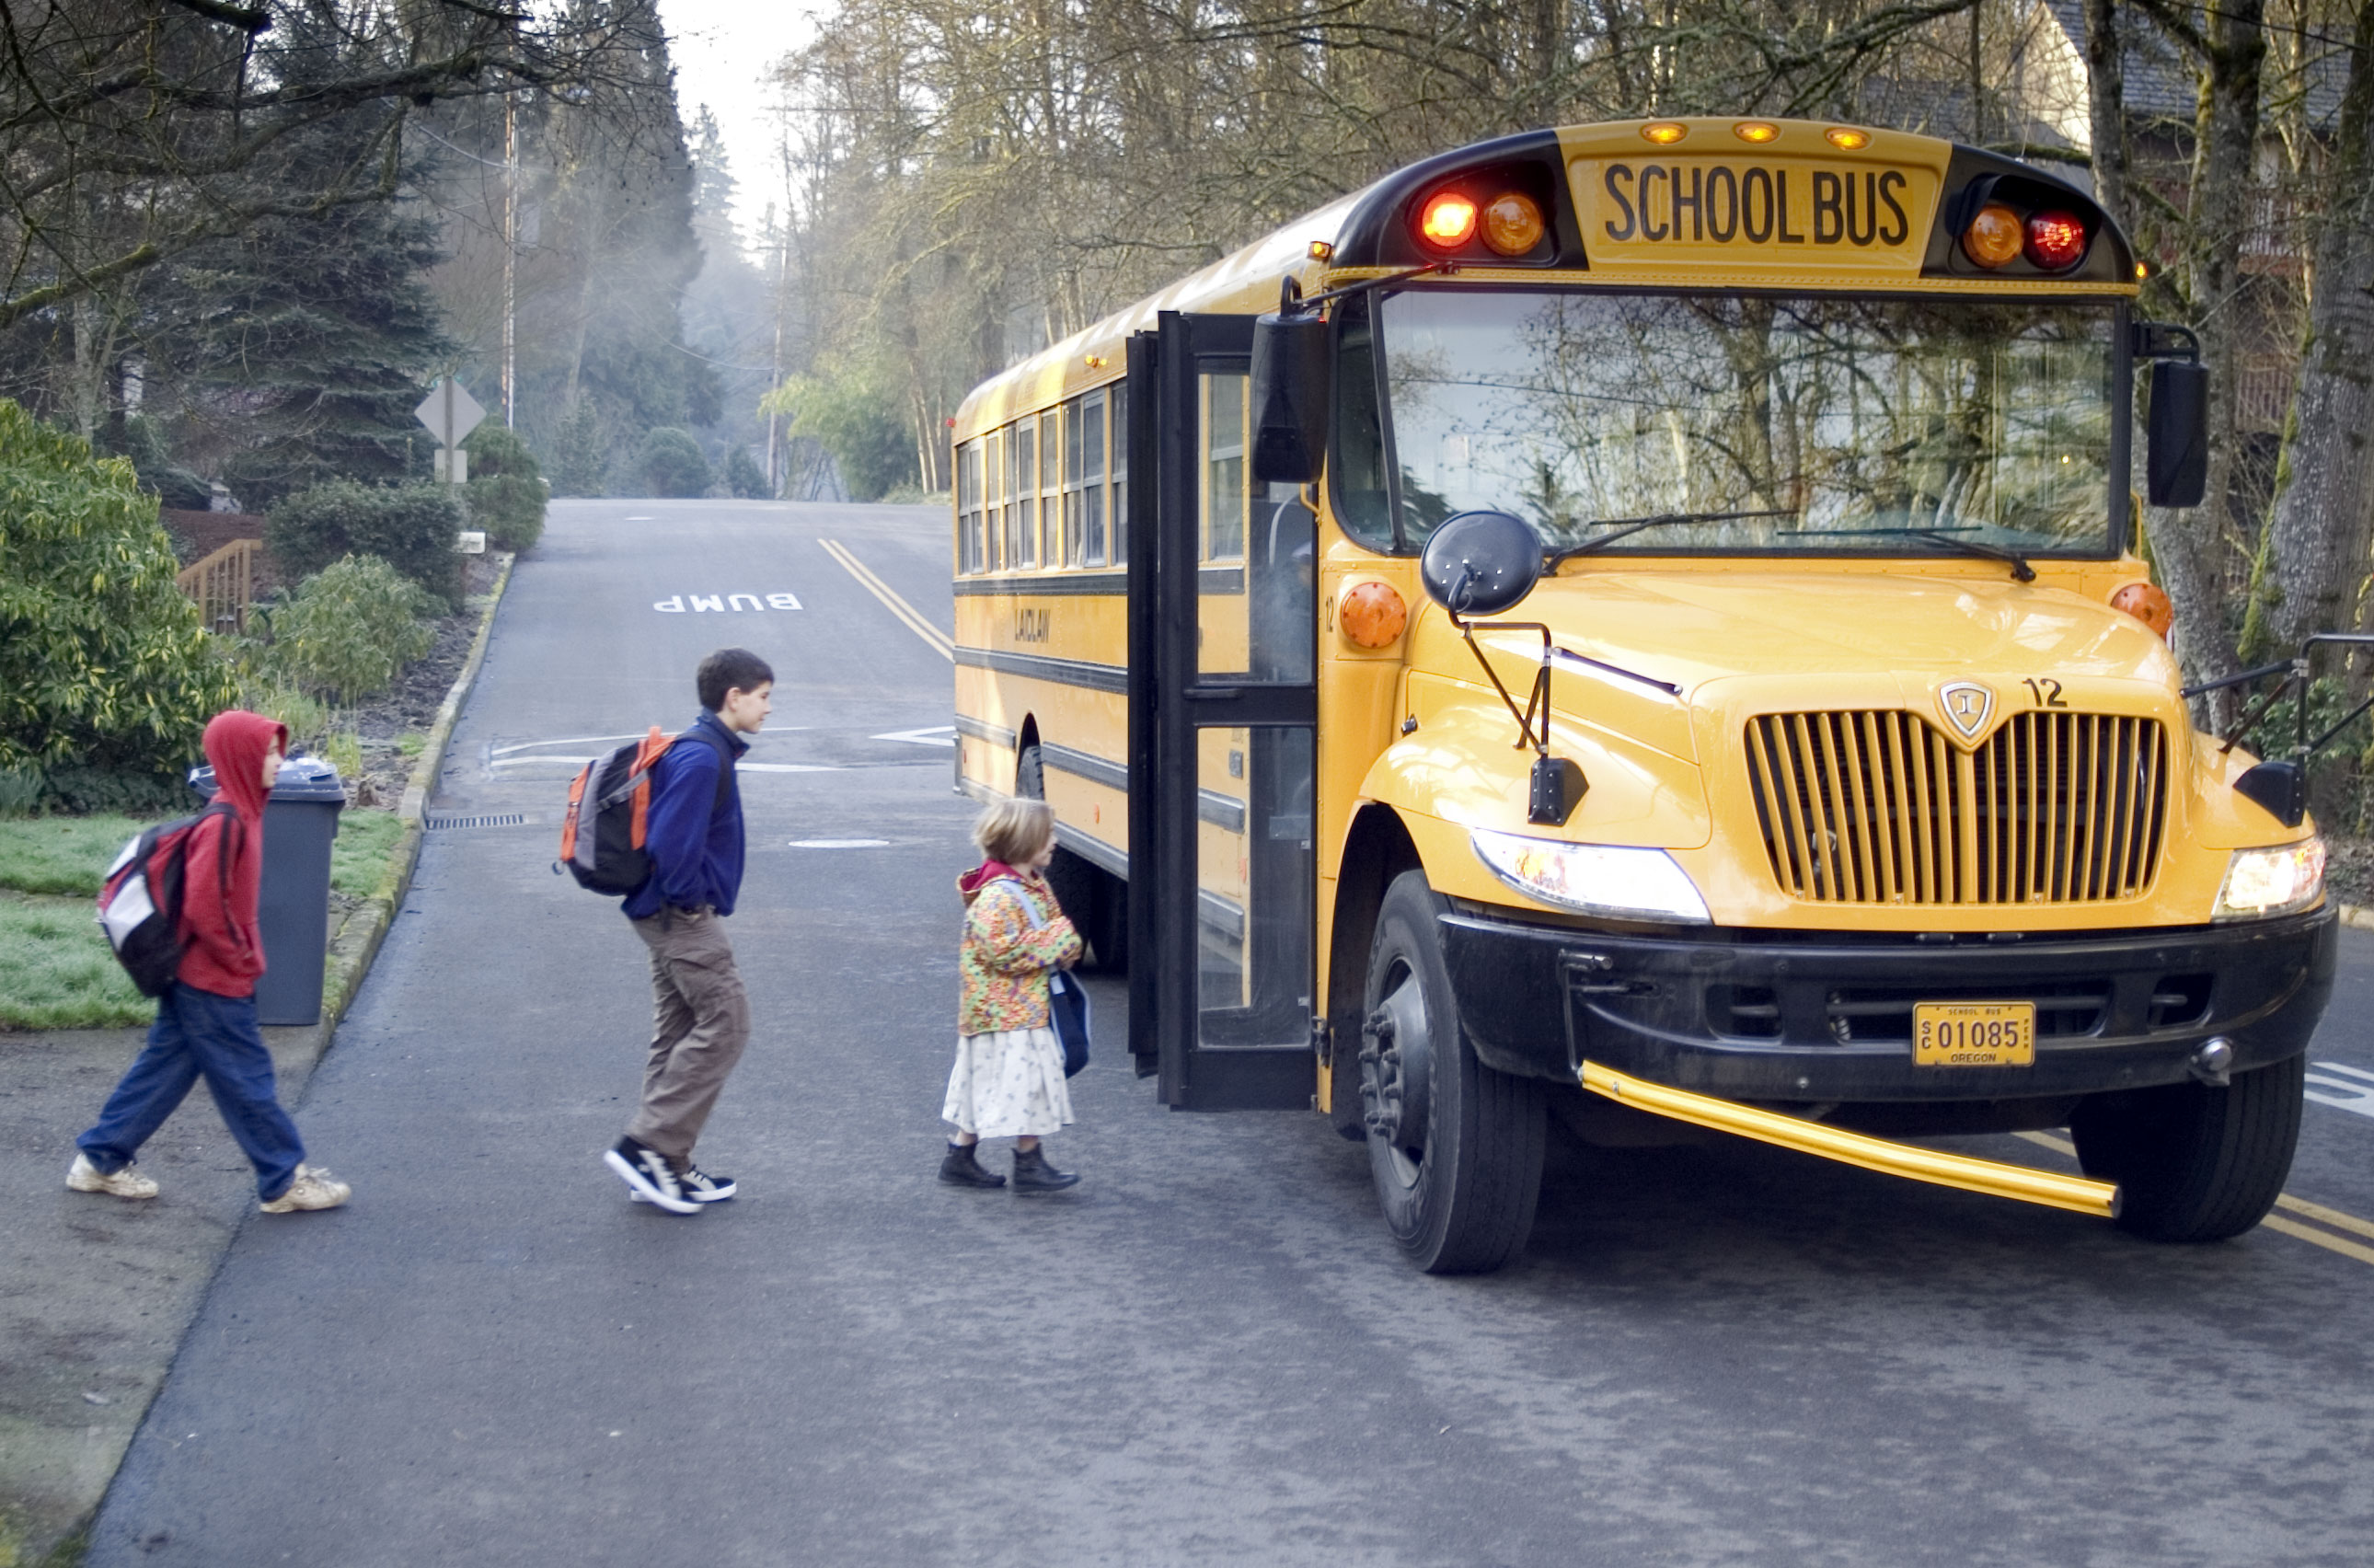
(783, 767)
(2347, 1089)
(727, 604)
(571, 741)
(840, 843)
(940, 735)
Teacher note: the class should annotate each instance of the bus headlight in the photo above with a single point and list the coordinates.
(1615, 881)
(2271, 881)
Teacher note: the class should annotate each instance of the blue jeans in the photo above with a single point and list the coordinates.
(201, 1032)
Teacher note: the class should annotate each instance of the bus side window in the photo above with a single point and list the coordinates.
(1224, 458)
(991, 490)
(1072, 444)
(1119, 426)
(1024, 549)
(1092, 478)
(969, 507)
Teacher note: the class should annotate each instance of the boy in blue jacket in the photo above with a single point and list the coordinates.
(701, 1016)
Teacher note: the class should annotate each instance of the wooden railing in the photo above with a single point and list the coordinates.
(223, 583)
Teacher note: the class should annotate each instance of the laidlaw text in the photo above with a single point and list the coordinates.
(726, 603)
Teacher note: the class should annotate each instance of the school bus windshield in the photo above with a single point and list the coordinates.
(1837, 424)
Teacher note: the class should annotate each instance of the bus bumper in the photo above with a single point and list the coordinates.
(1817, 1020)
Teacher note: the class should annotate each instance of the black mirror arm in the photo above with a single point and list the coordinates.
(1289, 305)
(2299, 670)
(1539, 702)
(2164, 340)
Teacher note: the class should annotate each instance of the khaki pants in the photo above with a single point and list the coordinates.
(701, 1019)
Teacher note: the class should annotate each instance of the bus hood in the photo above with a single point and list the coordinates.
(1649, 654)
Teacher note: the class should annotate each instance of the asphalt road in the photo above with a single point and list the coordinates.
(1210, 1352)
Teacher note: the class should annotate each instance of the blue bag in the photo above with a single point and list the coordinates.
(1068, 1009)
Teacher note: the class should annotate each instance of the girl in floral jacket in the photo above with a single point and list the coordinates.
(1008, 1080)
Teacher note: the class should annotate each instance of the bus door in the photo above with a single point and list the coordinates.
(1222, 707)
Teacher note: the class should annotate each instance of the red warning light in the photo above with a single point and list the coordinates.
(1448, 220)
(2055, 239)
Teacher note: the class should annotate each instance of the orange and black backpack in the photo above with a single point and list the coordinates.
(609, 807)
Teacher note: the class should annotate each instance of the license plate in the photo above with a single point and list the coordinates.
(1974, 1034)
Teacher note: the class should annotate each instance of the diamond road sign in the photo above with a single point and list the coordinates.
(449, 412)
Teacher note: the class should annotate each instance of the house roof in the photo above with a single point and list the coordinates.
(2160, 82)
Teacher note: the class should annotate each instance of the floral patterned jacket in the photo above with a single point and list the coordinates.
(1014, 932)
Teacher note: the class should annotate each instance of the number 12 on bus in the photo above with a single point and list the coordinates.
(1640, 623)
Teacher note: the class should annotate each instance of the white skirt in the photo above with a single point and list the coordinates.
(1009, 1084)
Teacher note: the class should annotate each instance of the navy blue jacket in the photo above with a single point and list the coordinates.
(696, 852)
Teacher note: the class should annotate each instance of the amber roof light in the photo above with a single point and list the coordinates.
(1512, 223)
(1756, 131)
(1994, 236)
(1847, 139)
(1665, 133)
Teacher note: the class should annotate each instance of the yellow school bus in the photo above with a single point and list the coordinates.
(1641, 622)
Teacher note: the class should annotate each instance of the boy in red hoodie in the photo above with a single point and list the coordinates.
(206, 1024)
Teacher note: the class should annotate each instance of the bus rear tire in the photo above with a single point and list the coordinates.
(2193, 1162)
(1455, 1148)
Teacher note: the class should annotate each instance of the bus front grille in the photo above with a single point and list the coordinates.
(1878, 807)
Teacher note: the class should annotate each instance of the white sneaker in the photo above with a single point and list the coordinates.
(127, 1183)
(313, 1188)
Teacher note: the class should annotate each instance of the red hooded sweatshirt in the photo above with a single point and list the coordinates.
(222, 948)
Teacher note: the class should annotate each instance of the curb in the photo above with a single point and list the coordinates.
(2357, 914)
(356, 948)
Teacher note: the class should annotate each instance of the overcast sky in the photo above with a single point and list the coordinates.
(724, 51)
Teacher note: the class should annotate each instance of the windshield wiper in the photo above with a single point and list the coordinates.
(1627, 526)
(2020, 571)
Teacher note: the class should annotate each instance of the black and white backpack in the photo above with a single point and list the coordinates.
(140, 899)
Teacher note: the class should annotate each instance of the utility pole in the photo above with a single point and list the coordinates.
(511, 254)
(775, 377)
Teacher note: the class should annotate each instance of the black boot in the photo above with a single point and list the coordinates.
(962, 1168)
(1032, 1174)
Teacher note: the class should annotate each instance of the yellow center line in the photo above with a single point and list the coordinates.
(2276, 1222)
(940, 642)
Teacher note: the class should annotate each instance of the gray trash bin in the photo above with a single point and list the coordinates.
(299, 819)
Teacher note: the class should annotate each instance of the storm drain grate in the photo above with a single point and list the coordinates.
(509, 819)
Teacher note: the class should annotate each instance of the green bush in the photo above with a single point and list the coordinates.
(672, 464)
(411, 528)
(744, 477)
(261, 692)
(348, 630)
(106, 677)
(506, 489)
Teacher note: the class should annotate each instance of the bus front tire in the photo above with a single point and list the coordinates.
(1455, 1147)
(2193, 1162)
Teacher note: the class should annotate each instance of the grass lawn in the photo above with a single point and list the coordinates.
(55, 969)
(60, 854)
(359, 854)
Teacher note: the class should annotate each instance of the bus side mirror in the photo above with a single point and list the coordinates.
(1290, 388)
(2177, 468)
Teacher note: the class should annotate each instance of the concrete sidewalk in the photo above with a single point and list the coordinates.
(96, 1293)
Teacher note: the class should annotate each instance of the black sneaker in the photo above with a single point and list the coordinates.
(701, 1187)
(649, 1176)
(962, 1168)
(1033, 1175)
